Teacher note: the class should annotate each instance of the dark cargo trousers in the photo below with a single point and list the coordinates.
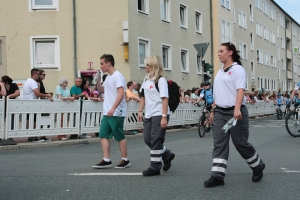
(154, 137)
(239, 134)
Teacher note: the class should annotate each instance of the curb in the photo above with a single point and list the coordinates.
(71, 142)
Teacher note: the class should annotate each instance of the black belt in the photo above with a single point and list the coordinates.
(229, 108)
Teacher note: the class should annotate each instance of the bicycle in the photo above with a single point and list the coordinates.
(279, 112)
(203, 124)
(292, 122)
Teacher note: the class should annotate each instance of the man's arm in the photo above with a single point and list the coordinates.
(38, 94)
(117, 102)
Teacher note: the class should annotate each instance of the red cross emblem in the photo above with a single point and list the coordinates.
(230, 73)
(151, 86)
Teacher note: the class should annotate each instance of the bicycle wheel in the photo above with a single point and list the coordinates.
(201, 126)
(287, 112)
(292, 124)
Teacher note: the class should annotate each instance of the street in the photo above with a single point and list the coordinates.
(67, 172)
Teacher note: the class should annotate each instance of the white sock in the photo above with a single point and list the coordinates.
(126, 159)
(106, 159)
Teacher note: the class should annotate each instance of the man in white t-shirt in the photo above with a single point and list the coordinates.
(114, 111)
(31, 91)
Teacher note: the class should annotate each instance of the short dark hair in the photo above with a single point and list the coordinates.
(41, 71)
(6, 79)
(202, 85)
(129, 84)
(33, 71)
(108, 58)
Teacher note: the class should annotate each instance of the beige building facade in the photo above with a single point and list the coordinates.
(66, 39)
(262, 32)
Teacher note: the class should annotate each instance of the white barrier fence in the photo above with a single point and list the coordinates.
(33, 118)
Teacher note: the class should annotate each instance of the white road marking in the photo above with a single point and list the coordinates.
(106, 174)
(275, 126)
(286, 170)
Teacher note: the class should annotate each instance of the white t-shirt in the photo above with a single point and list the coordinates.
(111, 85)
(29, 85)
(153, 101)
(226, 85)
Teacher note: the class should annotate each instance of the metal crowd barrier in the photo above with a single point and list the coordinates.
(33, 118)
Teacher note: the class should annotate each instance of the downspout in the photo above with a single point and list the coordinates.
(211, 38)
(74, 39)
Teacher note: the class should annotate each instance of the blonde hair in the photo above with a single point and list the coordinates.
(157, 70)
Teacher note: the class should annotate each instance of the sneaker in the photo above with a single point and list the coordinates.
(45, 139)
(103, 164)
(73, 136)
(85, 136)
(35, 139)
(213, 181)
(257, 175)
(167, 163)
(151, 172)
(123, 164)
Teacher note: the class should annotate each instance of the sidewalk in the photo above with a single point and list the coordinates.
(22, 143)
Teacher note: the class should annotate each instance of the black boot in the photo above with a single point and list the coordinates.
(213, 181)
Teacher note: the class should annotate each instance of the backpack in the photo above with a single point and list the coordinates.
(174, 95)
(212, 91)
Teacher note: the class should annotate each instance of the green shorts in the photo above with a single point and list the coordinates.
(112, 126)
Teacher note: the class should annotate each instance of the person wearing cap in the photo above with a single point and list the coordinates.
(279, 101)
(207, 93)
(297, 97)
(230, 82)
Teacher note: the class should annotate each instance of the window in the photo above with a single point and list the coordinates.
(298, 68)
(45, 51)
(283, 42)
(272, 13)
(198, 17)
(165, 10)
(260, 58)
(260, 82)
(252, 41)
(166, 57)
(252, 71)
(143, 6)
(266, 33)
(258, 4)
(44, 4)
(199, 64)
(243, 50)
(251, 13)
(183, 16)
(266, 9)
(281, 21)
(0, 52)
(144, 50)
(295, 68)
(296, 50)
(283, 65)
(267, 59)
(277, 30)
(242, 19)
(272, 37)
(284, 86)
(225, 31)
(278, 53)
(273, 61)
(234, 15)
(184, 59)
(226, 4)
(259, 29)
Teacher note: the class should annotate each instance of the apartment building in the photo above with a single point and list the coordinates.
(66, 38)
(267, 38)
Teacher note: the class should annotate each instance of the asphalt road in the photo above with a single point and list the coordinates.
(49, 173)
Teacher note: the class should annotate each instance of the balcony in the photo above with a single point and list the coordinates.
(289, 75)
(288, 55)
(288, 34)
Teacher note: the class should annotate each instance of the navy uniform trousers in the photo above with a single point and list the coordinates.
(239, 134)
(154, 137)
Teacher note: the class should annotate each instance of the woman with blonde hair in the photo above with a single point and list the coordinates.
(154, 97)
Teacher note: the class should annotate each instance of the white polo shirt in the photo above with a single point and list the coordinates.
(153, 101)
(226, 85)
(111, 85)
